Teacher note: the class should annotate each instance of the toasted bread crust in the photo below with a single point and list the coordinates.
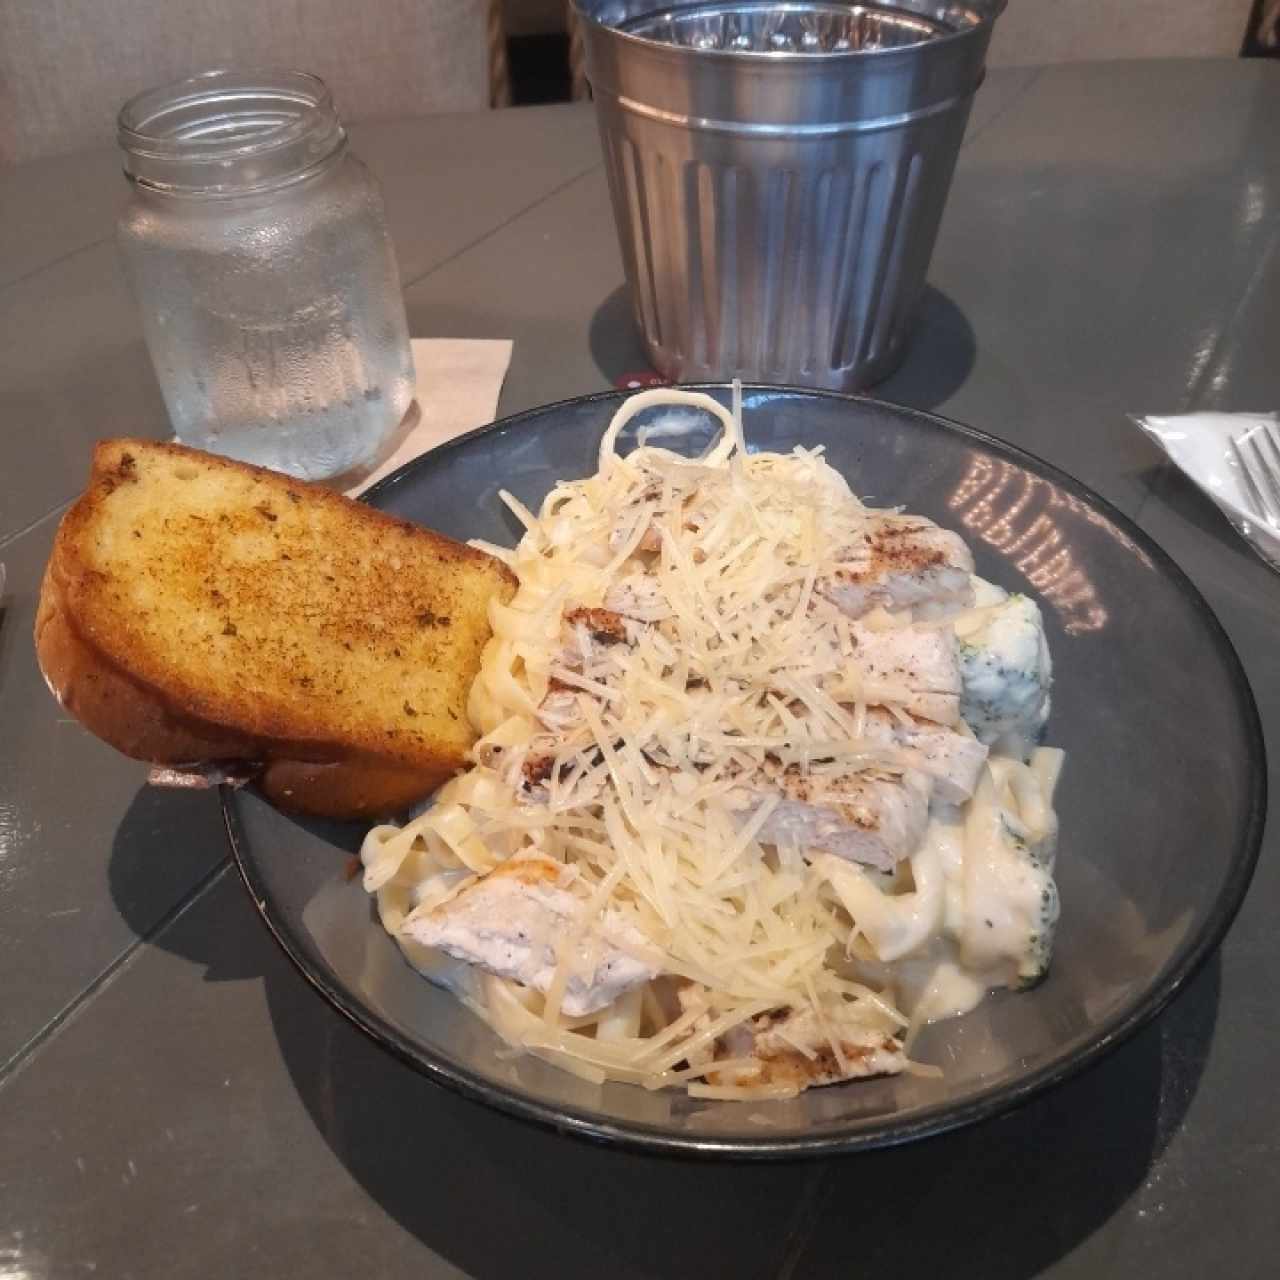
(113, 706)
(322, 750)
(348, 788)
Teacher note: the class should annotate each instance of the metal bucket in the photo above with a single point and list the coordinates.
(778, 173)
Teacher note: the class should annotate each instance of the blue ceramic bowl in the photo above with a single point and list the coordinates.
(1161, 805)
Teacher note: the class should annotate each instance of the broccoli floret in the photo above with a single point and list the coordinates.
(1012, 907)
(1005, 673)
(1034, 964)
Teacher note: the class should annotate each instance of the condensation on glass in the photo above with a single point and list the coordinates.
(257, 247)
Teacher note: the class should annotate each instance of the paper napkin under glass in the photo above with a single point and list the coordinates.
(458, 383)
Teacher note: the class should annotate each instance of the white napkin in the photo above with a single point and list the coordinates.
(458, 383)
(1199, 445)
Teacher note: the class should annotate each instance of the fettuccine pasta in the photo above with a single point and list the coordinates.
(756, 793)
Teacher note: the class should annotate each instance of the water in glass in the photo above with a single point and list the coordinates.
(258, 250)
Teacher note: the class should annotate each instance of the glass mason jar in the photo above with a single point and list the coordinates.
(258, 251)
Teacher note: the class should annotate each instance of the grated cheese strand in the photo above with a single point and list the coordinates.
(672, 658)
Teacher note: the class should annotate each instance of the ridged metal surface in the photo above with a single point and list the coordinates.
(776, 214)
(775, 273)
(764, 27)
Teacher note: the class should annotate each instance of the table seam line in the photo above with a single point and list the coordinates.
(817, 1191)
(502, 226)
(1190, 402)
(1032, 80)
(405, 287)
(53, 262)
(11, 1067)
(6, 539)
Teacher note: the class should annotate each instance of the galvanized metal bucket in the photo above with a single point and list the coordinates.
(778, 173)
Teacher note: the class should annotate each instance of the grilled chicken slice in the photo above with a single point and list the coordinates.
(625, 525)
(559, 710)
(793, 1047)
(918, 668)
(953, 760)
(638, 596)
(898, 562)
(584, 634)
(867, 817)
(584, 628)
(510, 921)
(650, 539)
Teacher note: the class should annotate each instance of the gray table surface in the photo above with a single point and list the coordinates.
(176, 1102)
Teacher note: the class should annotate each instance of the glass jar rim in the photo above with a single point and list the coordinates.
(229, 131)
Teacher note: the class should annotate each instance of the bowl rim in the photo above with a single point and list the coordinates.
(933, 1120)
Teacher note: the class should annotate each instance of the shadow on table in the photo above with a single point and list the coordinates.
(1008, 1198)
(492, 1194)
(941, 350)
(940, 353)
(166, 847)
(615, 344)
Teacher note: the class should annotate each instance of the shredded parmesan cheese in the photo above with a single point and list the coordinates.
(673, 656)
